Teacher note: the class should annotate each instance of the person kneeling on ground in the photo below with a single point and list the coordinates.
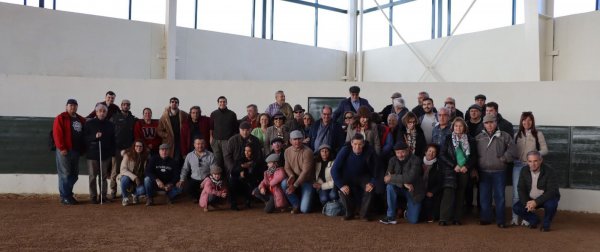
(132, 172)
(404, 179)
(538, 187)
(162, 173)
(323, 180)
(269, 190)
(213, 189)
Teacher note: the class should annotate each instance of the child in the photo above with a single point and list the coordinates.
(213, 188)
(269, 190)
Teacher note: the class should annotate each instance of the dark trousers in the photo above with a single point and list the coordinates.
(357, 197)
(431, 207)
(239, 186)
(192, 188)
(452, 207)
(550, 207)
(267, 198)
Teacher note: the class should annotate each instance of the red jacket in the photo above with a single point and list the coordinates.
(204, 124)
(61, 131)
(147, 133)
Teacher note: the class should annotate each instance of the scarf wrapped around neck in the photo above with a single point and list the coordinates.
(271, 170)
(429, 162)
(464, 142)
(217, 183)
(411, 139)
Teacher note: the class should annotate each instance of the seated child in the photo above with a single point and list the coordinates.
(214, 189)
(269, 190)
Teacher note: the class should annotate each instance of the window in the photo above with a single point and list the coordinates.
(570, 7)
(340, 4)
(294, 23)
(376, 30)
(520, 12)
(413, 21)
(485, 15)
(152, 11)
(186, 10)
(107, 8)
(233, 17)
(332, 30)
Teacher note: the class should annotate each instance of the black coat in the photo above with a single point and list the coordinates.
(548, 181)
(421, 142)
(448, 160)
(436, 179)
(107, 140)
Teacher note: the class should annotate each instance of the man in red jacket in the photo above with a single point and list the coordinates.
(67, 132)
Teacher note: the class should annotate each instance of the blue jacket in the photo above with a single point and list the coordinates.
(349, 168)
(346, 105)
(338, 135)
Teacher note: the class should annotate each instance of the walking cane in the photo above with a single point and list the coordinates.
(101, 178)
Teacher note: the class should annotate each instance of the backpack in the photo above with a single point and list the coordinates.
(333, 208)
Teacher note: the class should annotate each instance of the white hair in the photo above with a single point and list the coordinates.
(100, 106)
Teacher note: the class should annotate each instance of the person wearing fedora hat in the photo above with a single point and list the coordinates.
(67, 134)
(352, 103)
(278, 129)
(297, 123)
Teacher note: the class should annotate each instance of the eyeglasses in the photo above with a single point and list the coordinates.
(297, 112)
(349, 117)
(175, 102)
(306, 118)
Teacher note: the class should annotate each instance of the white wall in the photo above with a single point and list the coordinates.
(210, 55)
(577, 38)
(38, 41)
(492, 55)
(554, 103)
(46, 42)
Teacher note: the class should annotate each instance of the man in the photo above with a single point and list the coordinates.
(298, 122)
(389, 108)
(538, 187)
(428, 119)
(162, 173)
(251, 116)
(197, 126)
(479, 101)
(124, 122)
(354, 173)
(197, 162)
(277, 148)
(418, 110)
(67, 132)
(351, 104)
(403, 178)
(99, 136)
(147, 130)
(491, 108)
(495, 150)
(399, 108)
(442, 128)
(169, 129)
(224, 124)
(109, 102)
(299, 167)
(280, 105)
(450, 103)
(326, 131)
(236, 162)
(475, 120)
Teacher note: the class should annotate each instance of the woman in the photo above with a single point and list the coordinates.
(260, 132)
(365, 127)
(433, 179)
(458, 157)
(323, 180)
(277, 130)
(527, 139)
(411, 133)
(308, 120)
(349, 118)
(132, 171)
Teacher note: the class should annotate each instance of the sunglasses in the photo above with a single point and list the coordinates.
(175, 101)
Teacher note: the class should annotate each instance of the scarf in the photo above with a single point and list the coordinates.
(324, 135)
(411, 139)
(271, 170)
(429, 162)
(462, 140)
(217, 183)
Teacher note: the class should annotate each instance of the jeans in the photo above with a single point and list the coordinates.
(306, 191)
(492, 184)
(67, 168)
(328, 195)
(413, 207)
(267, 198)
(549, 206)
(151, 187)
(126, 183)
(95, 179)
(515, 179)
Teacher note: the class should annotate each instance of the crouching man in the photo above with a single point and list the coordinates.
(162, 173)
(538, 188)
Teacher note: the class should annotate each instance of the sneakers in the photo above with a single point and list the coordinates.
(388, 220)
(67, 202)
(135, 199)
(149, 201)
(524, 223)
(125, 202)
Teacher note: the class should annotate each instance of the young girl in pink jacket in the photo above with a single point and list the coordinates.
(269, 190)
(213, 188)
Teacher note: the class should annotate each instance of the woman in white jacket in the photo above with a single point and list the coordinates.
(323, 180)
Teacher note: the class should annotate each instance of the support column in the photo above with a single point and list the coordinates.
(538, 38)
(170, 39)
(352, 31)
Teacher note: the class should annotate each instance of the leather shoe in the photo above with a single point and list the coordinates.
(66, 202)
(544, 229)
(501, 225)
(458, 223)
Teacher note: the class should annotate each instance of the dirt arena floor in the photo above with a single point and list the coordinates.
(41, 223)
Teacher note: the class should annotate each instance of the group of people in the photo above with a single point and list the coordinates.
(420, 164)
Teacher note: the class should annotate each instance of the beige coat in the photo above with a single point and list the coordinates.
(527, 143)
(165, 130)
(328, 183)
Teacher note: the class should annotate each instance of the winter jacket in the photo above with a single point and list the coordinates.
(210, 188)
(112, 109)
(129, 169)
(495, 151)
(447, 158)
(165, 131)
(234, 151)
(124, 124)
(203, 124)
(272, 134)
(61, 132)
(272, 184)
(107, 140)
(547, 181)
(352, 169)
(328, 183)
(164, 169)
(299, 163)
(346, 105)
(525, 144)
(503, 125)
(435, 180)
(337, 139)
(409, 172)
